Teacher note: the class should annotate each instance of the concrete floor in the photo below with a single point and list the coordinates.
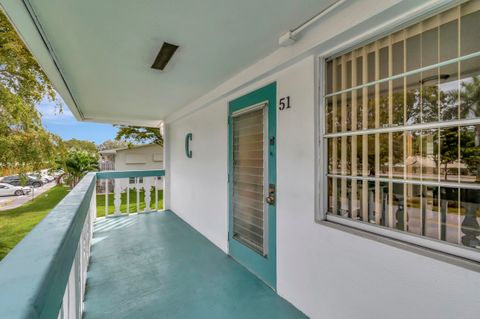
(156, 266)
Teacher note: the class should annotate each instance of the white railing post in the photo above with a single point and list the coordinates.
(156, 192)
(165, 184)
(117, 196)
(147, 187)
(93, 210)
(106, 197)
(128, 197)
(138, 194)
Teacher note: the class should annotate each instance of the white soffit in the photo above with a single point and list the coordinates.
(104, 49)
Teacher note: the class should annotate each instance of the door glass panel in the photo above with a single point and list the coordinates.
(248, 179)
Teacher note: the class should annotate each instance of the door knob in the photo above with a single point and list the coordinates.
(270, 200)
(271, 194)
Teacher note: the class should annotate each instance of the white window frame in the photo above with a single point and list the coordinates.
(321, 167)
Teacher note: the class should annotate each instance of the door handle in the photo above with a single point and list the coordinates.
(271, 195)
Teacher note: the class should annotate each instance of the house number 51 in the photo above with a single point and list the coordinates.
(284, 103)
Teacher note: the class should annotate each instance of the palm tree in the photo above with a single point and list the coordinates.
(76, 164)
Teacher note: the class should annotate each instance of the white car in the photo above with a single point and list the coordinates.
(49, 178)
(9, 190)
(43, 177)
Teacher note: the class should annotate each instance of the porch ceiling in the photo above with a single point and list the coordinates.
(104, 49)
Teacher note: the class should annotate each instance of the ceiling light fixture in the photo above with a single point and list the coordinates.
(164, 56)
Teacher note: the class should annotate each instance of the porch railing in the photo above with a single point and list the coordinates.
(144, 185)
(45, 275)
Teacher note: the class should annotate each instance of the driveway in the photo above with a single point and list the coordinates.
(10, 202)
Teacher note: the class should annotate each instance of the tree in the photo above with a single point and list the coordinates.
(448, 151)
(113, 144)
(141, 135)
(81, 145)
(19, 71)
(24, 143)
(76, 164)
(470, 150)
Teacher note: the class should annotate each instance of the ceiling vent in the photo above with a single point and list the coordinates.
(164, 56)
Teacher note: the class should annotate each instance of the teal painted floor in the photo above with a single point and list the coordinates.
(156, 266)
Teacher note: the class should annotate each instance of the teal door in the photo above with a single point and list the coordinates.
(252, 182)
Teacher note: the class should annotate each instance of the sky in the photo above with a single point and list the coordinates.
(67, 127)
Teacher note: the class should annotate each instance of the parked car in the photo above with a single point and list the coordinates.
(58, 172)
(49, 178)
(8, 190)
(15, 181)
(42, 177)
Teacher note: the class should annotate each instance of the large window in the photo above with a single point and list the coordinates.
(402, 129)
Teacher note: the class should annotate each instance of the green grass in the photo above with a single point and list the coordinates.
(133, 202)
(18, 222)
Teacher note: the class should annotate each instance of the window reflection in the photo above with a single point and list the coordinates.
(470, 30)
(414, 212)
(413, 159)
(448, 40)
(429, 47)
(398, 205)
(470, 217)
(413, 100)
(449, 165)
(428, 97)
(430, 212)
(329, 75)
(469, 163)
(470, 88)
(362, 116)
(329, 115)
(347, 112)
(398, 102)
(398, 58)
(449, 219)
(384, 160)
(413, 45)
(397, 162)
(429, 159)
(448, 92)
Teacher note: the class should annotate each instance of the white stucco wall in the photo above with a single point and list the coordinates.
(147, 152)
(325, 272)
(198, 185)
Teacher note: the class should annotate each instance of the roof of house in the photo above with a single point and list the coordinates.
(115, 150)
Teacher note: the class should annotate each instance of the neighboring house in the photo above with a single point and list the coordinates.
(140, 157)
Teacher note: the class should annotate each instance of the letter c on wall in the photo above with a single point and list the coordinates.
(188, 138)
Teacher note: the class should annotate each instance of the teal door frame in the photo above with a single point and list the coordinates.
(265, 267)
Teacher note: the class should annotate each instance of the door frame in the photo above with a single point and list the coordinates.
(264, 267)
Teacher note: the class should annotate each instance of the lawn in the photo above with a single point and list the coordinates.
(18, 222)
(133, 202)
